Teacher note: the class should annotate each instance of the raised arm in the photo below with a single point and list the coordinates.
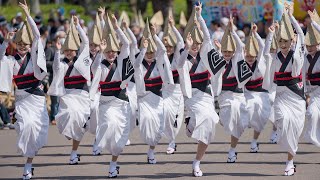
(239, 44)
(160, 46)
(204, 28)
(266, 49)
(34, 28)
(140, 57)
(297, 28)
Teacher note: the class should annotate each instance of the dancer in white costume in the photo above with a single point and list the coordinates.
(114, 69)
(312, 74)
(258, 99)
(71, 81)
(285, 70)
(233, 113)
(27, 69)
(95, 38)
(270, 53)
(172, 95)
(131, 88)
(199, 64)
(151, 71)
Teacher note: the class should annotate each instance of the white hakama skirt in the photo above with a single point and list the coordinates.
(259, 108)
(73, 114)
(92, 123)
(203, 118)
(32, 122)
(312, 131)
(234, 116)
(132, 95)
(113, 124)
(151, 118)
(289, 109)
(173, 102)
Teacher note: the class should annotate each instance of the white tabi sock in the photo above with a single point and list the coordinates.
(196, 165)
(289, 165)
(254, 143)
(232, 151)
(27, 168)
(151, 154)
(172, 144)
(73, 154)
(113, 166)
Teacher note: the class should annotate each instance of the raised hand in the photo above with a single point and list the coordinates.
(231, 24)
(103, 45)
(124, 24)
(25, 7)
(189, 41)
(217, 43)
(58, 44)
(76, 20)
(254, 27)
(114, 21)
(101, 12)
(271, 28)
(9, 36)
(199, 8)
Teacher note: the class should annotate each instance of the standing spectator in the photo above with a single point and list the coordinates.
(4, 115)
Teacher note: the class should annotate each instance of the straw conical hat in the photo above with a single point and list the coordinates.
(316, 16)
(252, 46)
(72, 41)
(124, 17)
(189, 27)
(166, 22)
(24, 34)
(108, 28)
(286, 31)
(227, 41)
(274, 43)
(95, 33)
(197, 35)
(312, 36)
(169, 38)
(183, 20)
(157, 19)
(147, 34)
(112, 44)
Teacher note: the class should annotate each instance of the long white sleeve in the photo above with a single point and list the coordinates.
(204, 28)
(161, 49)
(3, 48)
(140, 57)
(34, 28)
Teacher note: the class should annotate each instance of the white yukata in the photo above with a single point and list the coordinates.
(149, 79)
(312, 74)
(196, 74)
(71, 84)
(289, 104)
(172, 96)
(30, 103)
(258, 99)
(131, 88)
(233, 112)
(114, 111)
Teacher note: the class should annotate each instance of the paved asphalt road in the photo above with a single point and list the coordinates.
(52, 161)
